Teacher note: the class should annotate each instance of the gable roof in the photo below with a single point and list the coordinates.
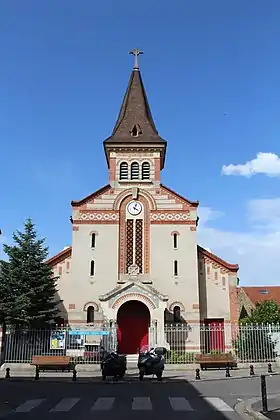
(122, 288)
(168, 190)
(61, 256)
(262, 293)
(218, 260)
(91, 196)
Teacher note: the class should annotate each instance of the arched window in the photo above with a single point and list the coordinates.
(93, 236)
(92, 267)
(134, 170)
(175, 268)
(176, 314)
(175, 240)
(145, 170)
(90, 314)
(124, 170)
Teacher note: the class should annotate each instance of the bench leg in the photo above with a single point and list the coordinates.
(37, 373)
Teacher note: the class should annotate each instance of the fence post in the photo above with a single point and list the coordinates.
(264, 394)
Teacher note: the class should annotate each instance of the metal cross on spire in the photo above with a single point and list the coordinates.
(136, 52)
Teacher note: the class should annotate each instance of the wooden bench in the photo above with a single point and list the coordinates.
(215, 361)
(53, 363)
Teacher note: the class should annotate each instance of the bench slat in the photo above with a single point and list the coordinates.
(51, 360)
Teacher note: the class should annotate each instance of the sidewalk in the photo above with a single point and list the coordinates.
(252, 408)
(132, 373)
(273, 407)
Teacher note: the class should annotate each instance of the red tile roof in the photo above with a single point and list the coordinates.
(262, 293)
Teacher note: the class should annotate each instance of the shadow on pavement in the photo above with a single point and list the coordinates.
(166, 396)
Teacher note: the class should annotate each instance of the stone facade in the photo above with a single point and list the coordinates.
(150, 255)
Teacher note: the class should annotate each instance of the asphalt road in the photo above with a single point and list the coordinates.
(130, 400)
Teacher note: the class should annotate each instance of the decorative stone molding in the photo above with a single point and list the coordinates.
(174, 216)
(93, 304)
(172, 306)
(134, 296)
(87, 215)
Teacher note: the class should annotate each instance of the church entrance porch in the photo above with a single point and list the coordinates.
(133, 320)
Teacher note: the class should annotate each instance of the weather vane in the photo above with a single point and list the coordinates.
(136, 52)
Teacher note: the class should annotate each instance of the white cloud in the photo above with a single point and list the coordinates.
(265, 213)
(206, 214)
(265, 163)
(256, 250)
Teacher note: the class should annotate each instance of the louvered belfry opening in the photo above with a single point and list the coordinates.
(145, 170)
(124, 170)
(135, 170)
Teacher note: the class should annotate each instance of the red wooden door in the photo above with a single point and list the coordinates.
(133, 327)
(216, 334)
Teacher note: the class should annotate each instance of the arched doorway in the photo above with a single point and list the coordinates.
(133, 327)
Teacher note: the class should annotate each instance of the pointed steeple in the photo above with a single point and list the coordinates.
(135, 126)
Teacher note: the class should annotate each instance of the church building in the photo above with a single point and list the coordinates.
(134, 260)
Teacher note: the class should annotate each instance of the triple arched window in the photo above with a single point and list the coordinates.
(135, 171)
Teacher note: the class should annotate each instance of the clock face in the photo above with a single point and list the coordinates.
(134, 208)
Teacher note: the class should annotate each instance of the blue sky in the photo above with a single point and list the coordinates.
(211, 71)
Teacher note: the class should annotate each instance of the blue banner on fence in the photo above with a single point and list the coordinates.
(77, 332)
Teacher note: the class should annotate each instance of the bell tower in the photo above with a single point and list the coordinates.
(135, 152)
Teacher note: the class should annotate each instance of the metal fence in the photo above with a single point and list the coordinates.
(247, 343)
(83, 346)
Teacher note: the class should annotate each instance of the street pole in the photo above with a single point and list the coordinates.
(264, 394)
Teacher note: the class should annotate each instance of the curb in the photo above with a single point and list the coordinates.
(245, 410)
(95, 377)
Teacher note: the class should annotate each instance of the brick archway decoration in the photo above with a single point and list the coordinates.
(122, 233)
(128, 193)
(93, 231)
(134, 296)
(93, 304)
(172, 306)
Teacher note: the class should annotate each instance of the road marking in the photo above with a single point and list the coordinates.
(141, 403)
(103, 404)
(217, 403)
(29, 405)
(180, 404)
(66, 404)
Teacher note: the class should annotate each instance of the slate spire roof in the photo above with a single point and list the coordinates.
(135, 124)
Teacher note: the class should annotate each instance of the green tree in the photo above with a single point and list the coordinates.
(255, 342)
(27, 285)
